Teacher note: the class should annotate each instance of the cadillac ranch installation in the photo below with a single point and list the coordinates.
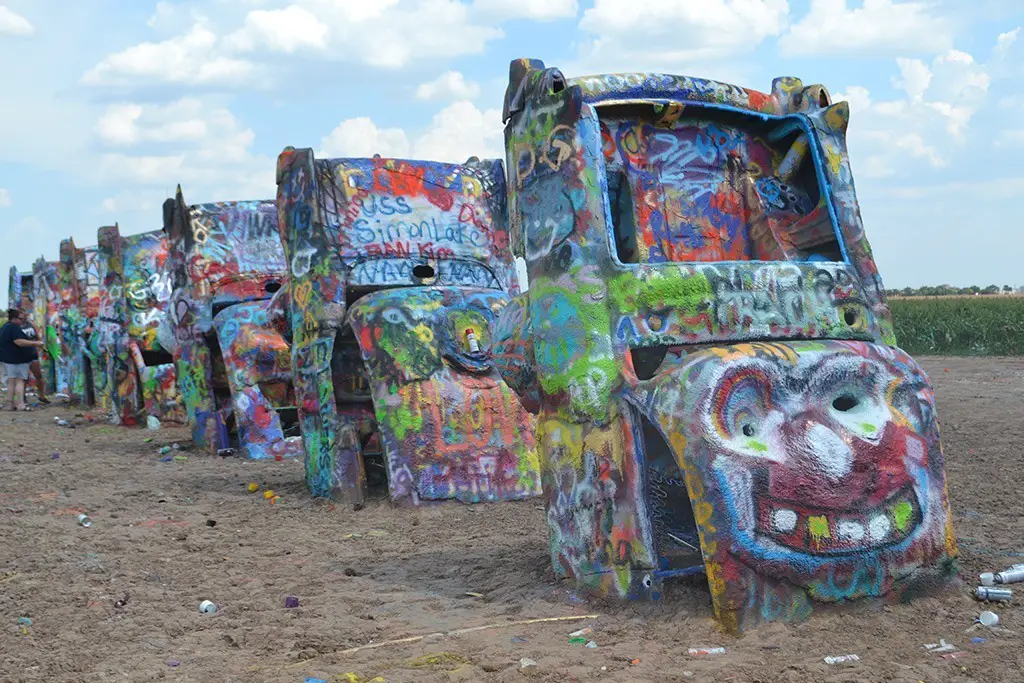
(707, 348)
(700, 380)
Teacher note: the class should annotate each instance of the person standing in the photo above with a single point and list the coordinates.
(17, 352)
(37, 371)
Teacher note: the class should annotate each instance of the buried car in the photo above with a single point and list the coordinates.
(115, 386)
(707, 346)
(78, 276)
(133, 371)
(46, 311)
(20, 290)
(233, 367)
(147, 294)
(398, 269)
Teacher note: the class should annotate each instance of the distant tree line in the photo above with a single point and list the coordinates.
(949, 290)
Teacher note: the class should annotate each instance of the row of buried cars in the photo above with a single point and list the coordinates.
(701, 377)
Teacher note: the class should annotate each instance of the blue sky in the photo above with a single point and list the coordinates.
(108, 104)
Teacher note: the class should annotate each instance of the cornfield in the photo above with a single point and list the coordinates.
(960, 326)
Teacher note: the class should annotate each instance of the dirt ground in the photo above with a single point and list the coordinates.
(119, 601)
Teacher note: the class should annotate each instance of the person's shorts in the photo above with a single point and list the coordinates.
(16, 371)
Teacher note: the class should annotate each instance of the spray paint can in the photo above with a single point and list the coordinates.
(988, 619)
(1012, 575)
(83, 519)
(474, 345)
(993, 594)
(839, 659)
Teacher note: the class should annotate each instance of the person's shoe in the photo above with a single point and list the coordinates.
(45, 401)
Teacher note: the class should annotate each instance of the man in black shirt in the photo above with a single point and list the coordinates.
(17, 352)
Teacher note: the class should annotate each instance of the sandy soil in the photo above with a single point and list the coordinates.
(119, 600)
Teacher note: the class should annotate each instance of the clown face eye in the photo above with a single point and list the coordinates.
(845, 403)
(852, 389)
(745, 411)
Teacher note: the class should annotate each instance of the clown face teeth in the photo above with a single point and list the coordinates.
(850, 530)
(784, 521)
(879, 527)
(821, 531)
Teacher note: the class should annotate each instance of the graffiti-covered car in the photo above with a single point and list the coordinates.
(20, 295)
(79, 282)
(46, 315)
(707, 345)
(147, 293)
(398, 270)
(133, 372)
(233, 367)
(20, 290)
(114, 384)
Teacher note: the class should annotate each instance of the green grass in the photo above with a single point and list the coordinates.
(960, 326)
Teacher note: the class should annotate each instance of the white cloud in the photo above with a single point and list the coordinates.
(144, 200)
(451, 85)
(360, 137)
(833, 27)
(384, 33)
(536, 10)
(285, 30)
(914, 145)
(962, 78)
(645, 34)
(129, 123)
(928, 124)
(195, 58)
(460, 131)
(857, 96)
(14, 24)
(5, 197)
(211, 150)
(396, 32)
(455, 133)
(1006, 40)
(915, 77)
(169, 18)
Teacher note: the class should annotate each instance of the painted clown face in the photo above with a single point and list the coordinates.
(827, 456)
(813, 456)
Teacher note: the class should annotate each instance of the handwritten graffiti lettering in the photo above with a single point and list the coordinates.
(384, 206)
(425, 233)
(400, 271)
(459, 233)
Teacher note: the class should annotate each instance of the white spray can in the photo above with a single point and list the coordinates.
(471, 340)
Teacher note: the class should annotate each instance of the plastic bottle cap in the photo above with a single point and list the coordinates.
(987, 579)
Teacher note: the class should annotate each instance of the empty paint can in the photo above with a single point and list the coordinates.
(994, 594)
(1012, 575)
(474, 345)
(987, 579)
(84, 520)
(988, 618)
